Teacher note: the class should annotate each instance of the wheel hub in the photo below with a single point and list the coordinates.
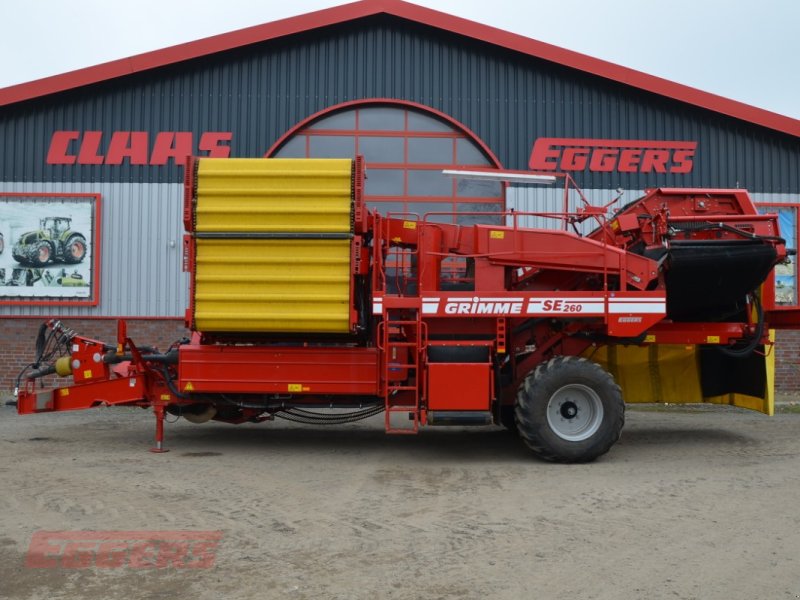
(575, 412)
(569, 410)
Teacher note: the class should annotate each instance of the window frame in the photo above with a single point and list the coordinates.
(307, 128)
(769, 284)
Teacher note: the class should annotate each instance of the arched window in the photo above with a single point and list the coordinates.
(405, 148)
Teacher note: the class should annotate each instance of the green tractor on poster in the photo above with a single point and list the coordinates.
(53, 242)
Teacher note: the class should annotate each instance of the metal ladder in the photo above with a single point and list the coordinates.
(403, 397)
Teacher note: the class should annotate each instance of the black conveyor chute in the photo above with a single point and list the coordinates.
(708, 281)
(721, 374)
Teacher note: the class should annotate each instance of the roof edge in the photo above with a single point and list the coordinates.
(599, 67)
(186, 51)
(412, 12)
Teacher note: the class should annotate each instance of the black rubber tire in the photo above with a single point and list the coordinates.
(508, 419)
(43, 254)
(534, 395)
(71, 254)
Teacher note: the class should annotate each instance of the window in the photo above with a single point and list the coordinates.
(405, 150)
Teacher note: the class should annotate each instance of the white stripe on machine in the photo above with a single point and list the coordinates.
(566, 306)
(616, 307)
(491, 306)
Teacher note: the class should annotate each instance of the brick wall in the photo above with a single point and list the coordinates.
(18, 337)
(787, 361)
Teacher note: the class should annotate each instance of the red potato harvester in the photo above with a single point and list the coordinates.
(302, 299)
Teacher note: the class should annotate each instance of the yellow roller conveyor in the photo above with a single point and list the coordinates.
(273, 245)
(273, 195)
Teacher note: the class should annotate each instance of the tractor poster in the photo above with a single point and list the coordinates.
(47, 248)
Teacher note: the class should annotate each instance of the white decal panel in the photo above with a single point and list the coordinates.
(637, 305)
(430, 306)
(557, 306)
(566, 306)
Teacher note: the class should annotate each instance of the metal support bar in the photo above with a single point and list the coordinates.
(158, 410)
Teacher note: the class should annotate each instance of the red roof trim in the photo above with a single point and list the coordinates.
(412, 12)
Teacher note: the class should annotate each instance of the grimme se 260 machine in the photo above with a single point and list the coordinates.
(302, 299)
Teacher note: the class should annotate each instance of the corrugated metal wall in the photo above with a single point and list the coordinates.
(540, 199)
(141, 250)
(509, 100)
(259, 92)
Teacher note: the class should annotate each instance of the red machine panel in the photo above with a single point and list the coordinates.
(279, 370)
(459, 386)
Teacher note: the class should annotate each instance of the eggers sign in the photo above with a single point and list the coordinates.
(622, 156)
(123, 549)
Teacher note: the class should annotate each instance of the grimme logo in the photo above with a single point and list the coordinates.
(622, 156)
(476, 306)
(123, 549)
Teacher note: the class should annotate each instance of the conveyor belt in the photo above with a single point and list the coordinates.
(709, 281)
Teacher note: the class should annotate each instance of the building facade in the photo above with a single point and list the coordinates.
(413, 90)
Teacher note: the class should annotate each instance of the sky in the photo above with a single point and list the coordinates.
(744, 50)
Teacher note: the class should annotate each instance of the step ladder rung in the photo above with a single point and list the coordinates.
(413, 328)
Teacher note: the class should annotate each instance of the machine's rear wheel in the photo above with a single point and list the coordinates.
(507, 418)
(569, 410)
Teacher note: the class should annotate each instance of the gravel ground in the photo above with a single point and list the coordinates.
(691, 503)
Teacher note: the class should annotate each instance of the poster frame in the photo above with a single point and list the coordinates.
(94, 298)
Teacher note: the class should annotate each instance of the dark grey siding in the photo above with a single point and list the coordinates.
(507, 99)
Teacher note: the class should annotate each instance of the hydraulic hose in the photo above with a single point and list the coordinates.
(755, 341)
(168, 358)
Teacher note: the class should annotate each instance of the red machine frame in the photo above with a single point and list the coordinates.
(422, 351)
